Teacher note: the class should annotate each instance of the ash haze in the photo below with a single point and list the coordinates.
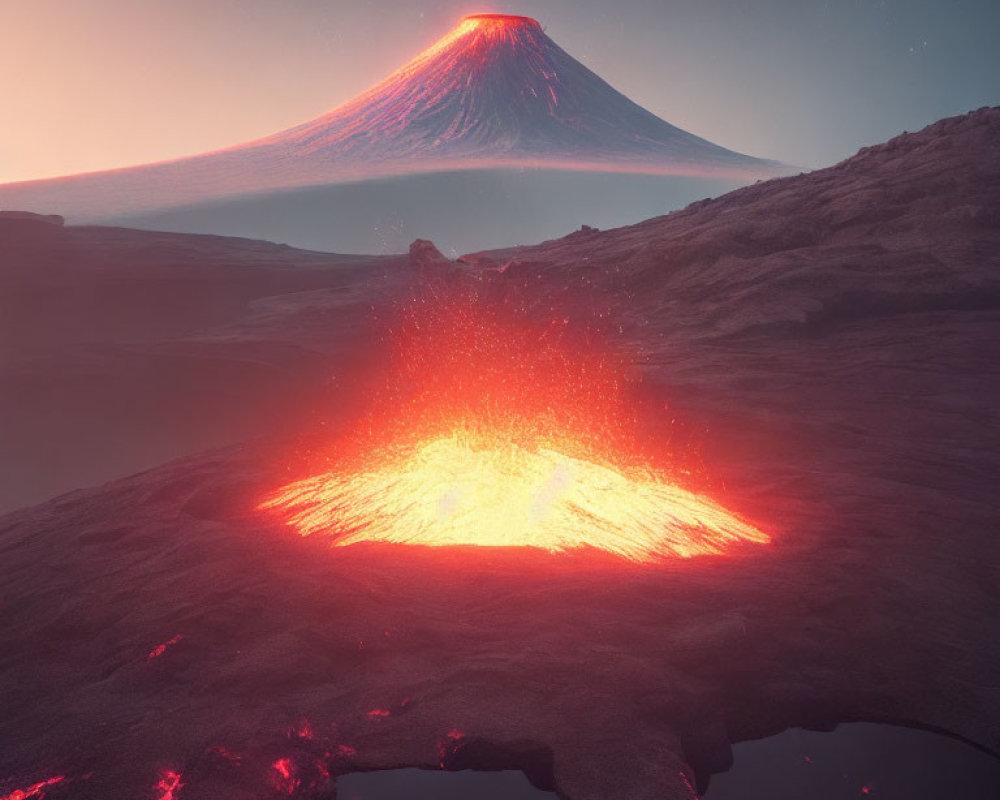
(111, 83)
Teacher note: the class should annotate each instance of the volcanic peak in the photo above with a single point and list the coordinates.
(496, 91)
(476, 34)
(508, 20)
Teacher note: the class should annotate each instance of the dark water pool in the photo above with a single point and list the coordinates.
(855, 761)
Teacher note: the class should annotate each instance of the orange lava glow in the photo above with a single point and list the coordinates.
(494, 430)
(34, 792)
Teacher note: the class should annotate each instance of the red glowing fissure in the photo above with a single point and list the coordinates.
(447, 746)
(283, 777)
(226, 753)
(689, 785)
(169, 785)
(160, 649)
(36, 791)
(302, 730)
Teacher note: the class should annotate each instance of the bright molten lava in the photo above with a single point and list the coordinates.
(494, 430)
(455, 492)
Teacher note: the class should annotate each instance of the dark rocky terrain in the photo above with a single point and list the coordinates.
(121, 349)
(830, 339)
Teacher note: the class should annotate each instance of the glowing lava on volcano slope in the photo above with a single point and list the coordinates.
(495, 430)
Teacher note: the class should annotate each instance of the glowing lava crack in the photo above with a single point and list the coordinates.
(450, 492)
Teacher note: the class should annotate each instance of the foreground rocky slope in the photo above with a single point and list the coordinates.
(831, 343)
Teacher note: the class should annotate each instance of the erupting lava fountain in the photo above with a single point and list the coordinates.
(495, 92)
(494, 430)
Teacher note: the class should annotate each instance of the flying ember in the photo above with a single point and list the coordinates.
(496, 430)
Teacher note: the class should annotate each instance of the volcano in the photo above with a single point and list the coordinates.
(494, 92)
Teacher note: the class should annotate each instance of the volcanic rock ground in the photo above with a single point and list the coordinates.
(831, 339)
(121, 349)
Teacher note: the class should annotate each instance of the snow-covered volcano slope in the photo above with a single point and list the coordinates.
(495, 92)
(498, 87)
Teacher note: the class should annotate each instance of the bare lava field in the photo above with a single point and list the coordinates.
(832, 339)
